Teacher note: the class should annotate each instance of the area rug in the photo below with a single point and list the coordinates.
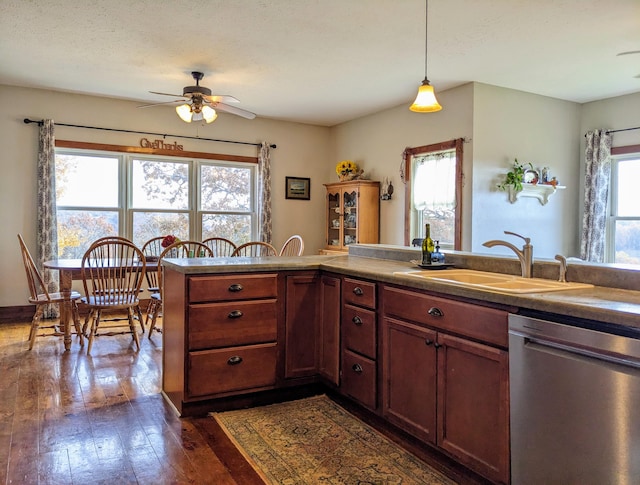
(315, 441)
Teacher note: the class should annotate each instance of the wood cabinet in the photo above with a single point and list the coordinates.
(445, 377)
(359, 341)
(220, 335)
(329, 338)
(302, 324)
(352, 214)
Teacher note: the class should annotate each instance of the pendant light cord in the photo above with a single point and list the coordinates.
(426, 35)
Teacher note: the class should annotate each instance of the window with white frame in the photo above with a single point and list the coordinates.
(623, 242)
(141, 197)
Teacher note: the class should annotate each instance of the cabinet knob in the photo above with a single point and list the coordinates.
(437, 345)
(235, 360)
(428, 341)
(357, 320)
(234, 288)
(358, 291)
(435, 312)
(357, 368)
(234, 314)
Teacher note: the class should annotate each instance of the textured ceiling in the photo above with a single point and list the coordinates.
(320, 61)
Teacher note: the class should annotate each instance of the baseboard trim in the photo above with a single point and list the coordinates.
(17, 314)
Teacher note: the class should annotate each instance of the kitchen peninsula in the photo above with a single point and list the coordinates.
(238, 327)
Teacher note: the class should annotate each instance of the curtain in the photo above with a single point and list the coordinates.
(264, 193)
(434, 184)
(596, 193)
(47, 230)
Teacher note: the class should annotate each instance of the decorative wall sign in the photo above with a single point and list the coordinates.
(298, 188)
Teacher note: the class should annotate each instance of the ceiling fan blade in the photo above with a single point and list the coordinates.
(221, 98)
(167, 94)
(175, 101)
(234, 111)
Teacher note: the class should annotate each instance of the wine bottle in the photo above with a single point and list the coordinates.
(427, 245)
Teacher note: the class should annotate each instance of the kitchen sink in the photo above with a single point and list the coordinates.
(504, 283)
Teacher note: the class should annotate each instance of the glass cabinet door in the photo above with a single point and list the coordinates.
(350, 220)
(334, 220)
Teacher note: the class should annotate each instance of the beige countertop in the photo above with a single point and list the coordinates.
(603, 304)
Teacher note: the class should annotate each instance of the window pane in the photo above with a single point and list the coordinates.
(628, 176)
(147, 225)
(86, 181)
(77, 229)
(627, 245)
(160, 185)
(225, 188)
(236, 228)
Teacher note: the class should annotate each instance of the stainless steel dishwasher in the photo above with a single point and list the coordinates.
(575, 403)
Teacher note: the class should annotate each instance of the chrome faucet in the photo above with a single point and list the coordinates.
(525, 255)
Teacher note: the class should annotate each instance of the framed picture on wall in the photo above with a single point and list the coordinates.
(298, 188)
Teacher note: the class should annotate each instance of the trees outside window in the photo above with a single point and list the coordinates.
(140, 197)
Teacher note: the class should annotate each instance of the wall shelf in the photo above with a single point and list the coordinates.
(542, 192)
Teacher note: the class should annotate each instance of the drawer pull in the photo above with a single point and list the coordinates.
(235, 314)
(435, 312)
(357, 368)
(235, 360)
(428, 341)
(358, 291)
(357, 320)
(234, 288)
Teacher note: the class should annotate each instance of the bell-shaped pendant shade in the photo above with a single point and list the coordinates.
(209, 114)
(426, 101)
(184, 112)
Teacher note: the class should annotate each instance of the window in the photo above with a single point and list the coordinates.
(624, 220)
(140, 197)
(433, 175)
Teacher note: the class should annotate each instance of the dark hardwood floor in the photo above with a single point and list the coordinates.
(69, 418)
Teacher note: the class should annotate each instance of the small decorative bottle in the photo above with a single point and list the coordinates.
(437, 256)
(427, 246)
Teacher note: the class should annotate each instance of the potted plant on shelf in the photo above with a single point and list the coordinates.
(515, 176)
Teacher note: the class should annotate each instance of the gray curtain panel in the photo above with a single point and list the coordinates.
(264, 193)
(596, 193)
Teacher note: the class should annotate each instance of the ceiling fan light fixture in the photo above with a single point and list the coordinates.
(426, 101)
(209, 114)
(184, 112)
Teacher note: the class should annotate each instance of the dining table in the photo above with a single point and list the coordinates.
(69, 270)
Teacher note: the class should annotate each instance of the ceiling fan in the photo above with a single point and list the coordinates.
(197, 103)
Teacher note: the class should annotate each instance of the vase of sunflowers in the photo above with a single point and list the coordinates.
(348, 170)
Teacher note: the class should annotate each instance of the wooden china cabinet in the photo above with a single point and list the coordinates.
(352, 214)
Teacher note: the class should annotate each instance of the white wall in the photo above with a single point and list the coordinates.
(511, 124)
(376, 143)
(302, 151)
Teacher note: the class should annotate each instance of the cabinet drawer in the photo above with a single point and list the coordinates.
(231, 288)
(475, 321)
(231, 369)
(232, 324)
(361, 293)
(359, 378)
(359, 330)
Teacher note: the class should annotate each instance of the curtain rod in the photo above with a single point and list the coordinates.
(622, 129)
(164, 135)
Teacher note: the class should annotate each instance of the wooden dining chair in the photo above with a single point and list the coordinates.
(153, 247)
(255, 249)
(294, 246)
(220, 246)
(180, 249)
(41, 298)
(112, 273)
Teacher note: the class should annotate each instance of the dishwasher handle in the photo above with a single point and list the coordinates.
(557, 348)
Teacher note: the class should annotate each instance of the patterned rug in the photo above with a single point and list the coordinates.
(315, 441)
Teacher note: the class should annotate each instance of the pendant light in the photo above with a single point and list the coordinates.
(426, 101)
